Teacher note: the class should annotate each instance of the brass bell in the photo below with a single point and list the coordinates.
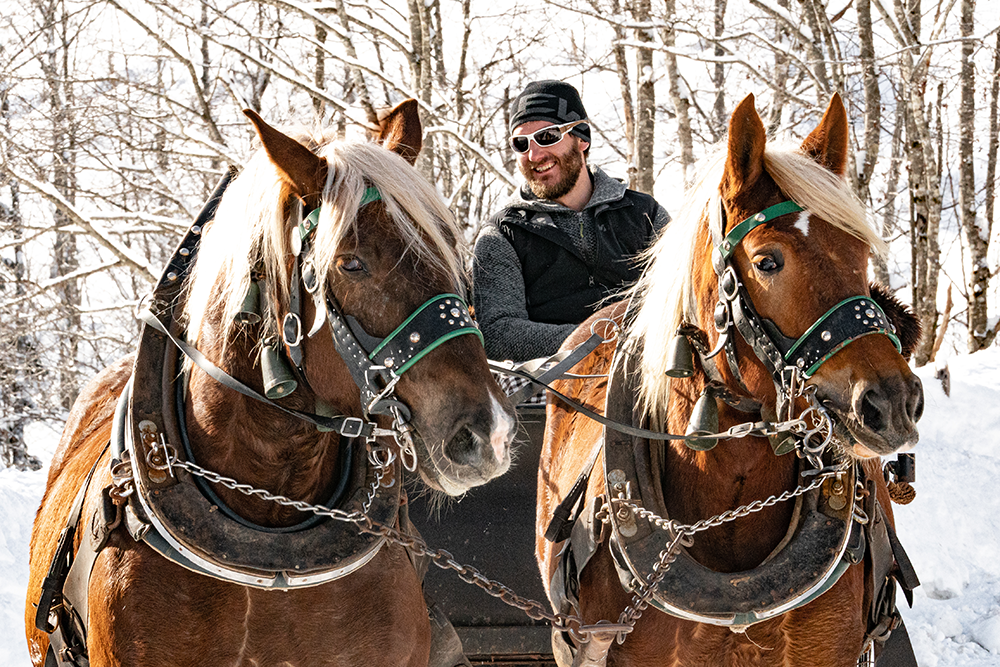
(278, 379)
(704, 421)
(250, 310)
(680, 357)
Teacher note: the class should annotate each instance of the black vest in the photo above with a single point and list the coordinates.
(560, 286)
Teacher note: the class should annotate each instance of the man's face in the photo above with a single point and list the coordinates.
(550, 171)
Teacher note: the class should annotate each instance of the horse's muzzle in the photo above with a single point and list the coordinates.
(474, 453)
(881, 416)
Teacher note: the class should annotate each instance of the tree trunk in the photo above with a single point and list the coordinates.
(889, 225)
(645, 116)
(780, 76)
(625, 86)
(17, 345)
(720, 117)
(679, 94)
(925, 189)
(873, 104)
(976, 235)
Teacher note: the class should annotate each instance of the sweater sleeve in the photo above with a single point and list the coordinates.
(498, 295)
(660, 219)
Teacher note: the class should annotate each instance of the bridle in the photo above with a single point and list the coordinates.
(789, 361)
(376, 364)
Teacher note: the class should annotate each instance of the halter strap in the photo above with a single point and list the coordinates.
(439, 319)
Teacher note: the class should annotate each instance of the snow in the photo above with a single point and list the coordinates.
(951, 531)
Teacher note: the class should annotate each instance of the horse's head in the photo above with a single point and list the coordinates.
(365, 255)
(803, 266)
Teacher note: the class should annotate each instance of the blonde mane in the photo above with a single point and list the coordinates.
(665, 296)
(253, 226)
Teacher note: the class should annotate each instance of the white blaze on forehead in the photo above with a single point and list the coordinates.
(503, 430)
(802, 223)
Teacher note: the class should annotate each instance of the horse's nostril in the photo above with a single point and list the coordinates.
(915, 404)
(872, 410)
(464, 448)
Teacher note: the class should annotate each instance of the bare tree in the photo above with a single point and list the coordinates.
(976, 235)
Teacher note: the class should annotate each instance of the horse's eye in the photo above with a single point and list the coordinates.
(767, 264)
(350, 264)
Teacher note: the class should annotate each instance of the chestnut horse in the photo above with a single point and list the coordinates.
(380, 254)
(791, 268)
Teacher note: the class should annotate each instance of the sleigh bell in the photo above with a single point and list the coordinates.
(680, 357)
(704, 421)
(250, 310)
(278, 379)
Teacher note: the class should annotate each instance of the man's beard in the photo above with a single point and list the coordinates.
(569, 166)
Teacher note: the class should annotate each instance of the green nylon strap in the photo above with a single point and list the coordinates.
(733, 238)
(311, 221)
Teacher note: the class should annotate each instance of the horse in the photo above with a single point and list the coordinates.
(763, 279)
(307, 342)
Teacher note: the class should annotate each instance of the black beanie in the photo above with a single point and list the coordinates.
(553, 101)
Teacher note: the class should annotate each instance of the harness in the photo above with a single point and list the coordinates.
(834, 525)
(176, 513)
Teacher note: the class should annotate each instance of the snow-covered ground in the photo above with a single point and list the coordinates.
(951, 531)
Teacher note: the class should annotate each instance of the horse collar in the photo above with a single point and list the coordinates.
(817, 549)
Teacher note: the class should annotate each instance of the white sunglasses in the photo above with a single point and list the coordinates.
(547, 136)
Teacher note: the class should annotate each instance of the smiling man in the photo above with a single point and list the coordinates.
(566, 240)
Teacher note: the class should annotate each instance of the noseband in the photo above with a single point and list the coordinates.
(786, 359)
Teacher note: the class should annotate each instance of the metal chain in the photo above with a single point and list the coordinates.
(683, 535)
(440, 557)
(383, 458)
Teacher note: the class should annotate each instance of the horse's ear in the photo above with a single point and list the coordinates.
(827, 144)
(745, 159)
(299, 167)
(400, 131)
(907, 324)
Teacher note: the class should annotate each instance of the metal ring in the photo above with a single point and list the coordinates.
(375, 459)
(614, 328)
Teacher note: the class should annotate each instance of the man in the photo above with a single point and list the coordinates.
(566, 240)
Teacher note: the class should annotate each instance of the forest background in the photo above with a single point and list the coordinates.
(117, 118)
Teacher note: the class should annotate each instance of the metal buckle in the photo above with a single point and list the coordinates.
(346, 429)
(291, 323)
(733, 284)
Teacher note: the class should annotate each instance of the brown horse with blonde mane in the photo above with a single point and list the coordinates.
(770, 543)
(196, 538)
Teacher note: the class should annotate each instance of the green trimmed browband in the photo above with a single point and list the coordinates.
(311, 221)
(733, 238)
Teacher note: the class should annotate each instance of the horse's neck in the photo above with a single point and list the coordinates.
(258, 444)
(700, 485)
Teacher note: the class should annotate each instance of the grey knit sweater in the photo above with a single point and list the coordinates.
(498, 279)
